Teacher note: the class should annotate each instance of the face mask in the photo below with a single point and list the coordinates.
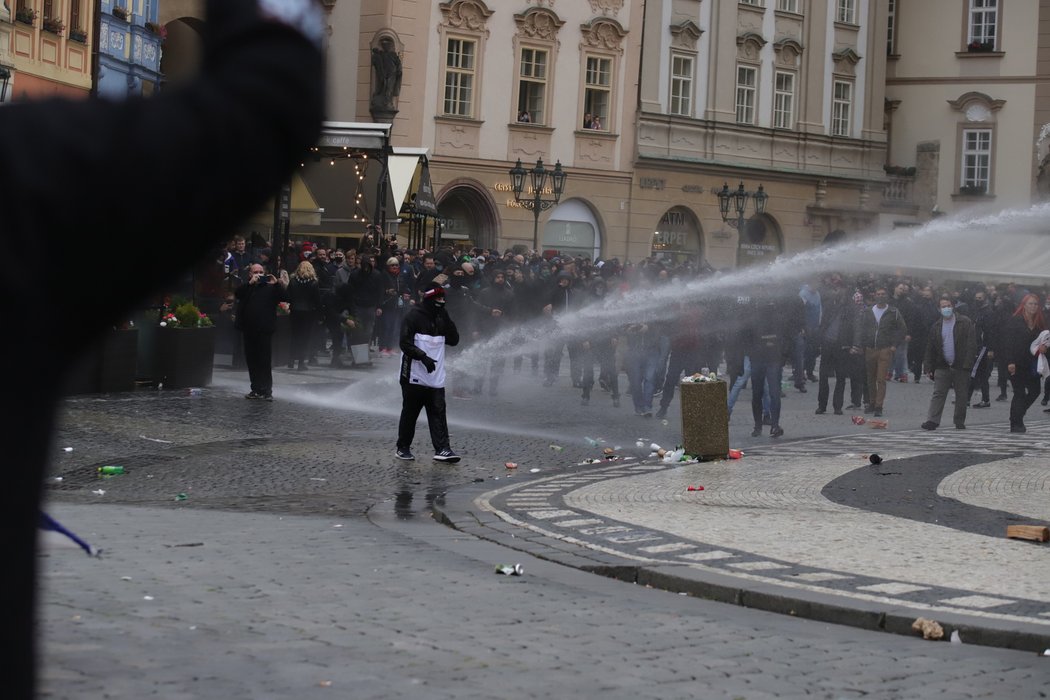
(440, 302)
(946, 312)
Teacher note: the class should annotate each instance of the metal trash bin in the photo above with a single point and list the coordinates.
(705, 419)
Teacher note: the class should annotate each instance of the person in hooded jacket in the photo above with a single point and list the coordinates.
(425, 333)
(496, 305)
(361, 296)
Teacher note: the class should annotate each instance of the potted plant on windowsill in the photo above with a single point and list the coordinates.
(26, 15)
(973, 189)
(120, 12)
(54, 25)
(78, 35)
(185, 347)
(980, 46)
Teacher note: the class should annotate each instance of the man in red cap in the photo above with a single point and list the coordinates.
(425, 332)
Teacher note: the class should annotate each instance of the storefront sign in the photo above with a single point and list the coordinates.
(694, 189)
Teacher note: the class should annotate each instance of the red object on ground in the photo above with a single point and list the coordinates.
(735, 454)
(695, 488)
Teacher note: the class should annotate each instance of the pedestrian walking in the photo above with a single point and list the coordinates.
(879, 331)
(951, 349)
(425, 332)
(1022, 330)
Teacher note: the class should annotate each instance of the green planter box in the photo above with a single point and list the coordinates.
(185, 357)
(107, 366)
(705, 419)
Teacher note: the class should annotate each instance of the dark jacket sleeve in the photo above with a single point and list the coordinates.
(196, 161)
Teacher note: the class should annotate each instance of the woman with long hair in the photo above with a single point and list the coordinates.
(304, 296)
(1021, 331)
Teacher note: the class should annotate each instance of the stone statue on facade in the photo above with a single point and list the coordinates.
(386, 78)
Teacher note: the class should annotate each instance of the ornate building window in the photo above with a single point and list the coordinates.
(982, 25)
(784, 100)
(463, 32)
(602, 47)
(749, 59)
(681, 85)
(746, 92)
(846, 11)
(536, 45)
(74, 14)
(684, 37)
(788, 6)
(976, 166)
(891, 28)
(842, 108)
(976, 142)
(460, 75)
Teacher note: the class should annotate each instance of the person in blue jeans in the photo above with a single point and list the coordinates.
(642, 359)
(738, 386)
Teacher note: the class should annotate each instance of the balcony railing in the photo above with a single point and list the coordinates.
(898, 190)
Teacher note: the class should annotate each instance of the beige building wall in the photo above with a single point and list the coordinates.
(818, 183)
(646, 167)
(470, 155)
(939, 86)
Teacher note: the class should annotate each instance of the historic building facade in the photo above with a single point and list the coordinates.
(650, 107)
(45, 48)
(967, 103)
(129, 41)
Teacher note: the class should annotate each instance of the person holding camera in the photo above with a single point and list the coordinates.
(256, 320)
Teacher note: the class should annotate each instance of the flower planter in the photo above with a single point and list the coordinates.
(107, 366)
(184, 357)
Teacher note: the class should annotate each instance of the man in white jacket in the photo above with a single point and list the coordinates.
(425, 332)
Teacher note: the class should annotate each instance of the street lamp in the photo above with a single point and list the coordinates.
(738, 200)
(537, 202)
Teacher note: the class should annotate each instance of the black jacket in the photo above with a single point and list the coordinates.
(204, 157)
(304, 295)
(428, 319)
(257, 306)
(965, 336)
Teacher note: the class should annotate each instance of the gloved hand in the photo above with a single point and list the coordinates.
(429, 364)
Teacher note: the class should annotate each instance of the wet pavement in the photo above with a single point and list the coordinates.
(302, 543)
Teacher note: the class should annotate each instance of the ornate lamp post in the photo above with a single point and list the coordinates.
(738, 201)
(537, 202)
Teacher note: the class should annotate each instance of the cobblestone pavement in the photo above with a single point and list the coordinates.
(304, 553)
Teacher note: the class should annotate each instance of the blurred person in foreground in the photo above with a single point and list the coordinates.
(210, 154)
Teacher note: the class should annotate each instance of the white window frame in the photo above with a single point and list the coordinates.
(683, 74)
(529, 77)
(982, 23)
(598, 82)
(789, 6)
(784, 100)
(756, 3)
(842, 108)
(976, 158)
(746, 94)
(846, 11)
(891, 28)
(459, 83)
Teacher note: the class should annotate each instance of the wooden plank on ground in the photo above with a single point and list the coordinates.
(1037, 533)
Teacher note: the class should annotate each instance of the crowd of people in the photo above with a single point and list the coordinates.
(863, 330)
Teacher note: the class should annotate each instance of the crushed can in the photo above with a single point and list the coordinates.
(510, 569)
